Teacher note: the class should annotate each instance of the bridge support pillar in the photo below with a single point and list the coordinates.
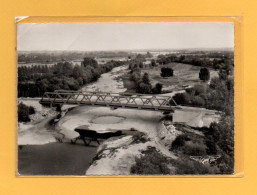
(59, 108)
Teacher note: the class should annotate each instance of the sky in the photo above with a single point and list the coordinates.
(123, 36)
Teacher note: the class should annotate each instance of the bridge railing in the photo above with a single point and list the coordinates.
(129, 100)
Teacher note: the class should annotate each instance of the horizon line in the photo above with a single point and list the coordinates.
(131, 50)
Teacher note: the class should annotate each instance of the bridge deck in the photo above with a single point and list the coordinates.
(116, 100)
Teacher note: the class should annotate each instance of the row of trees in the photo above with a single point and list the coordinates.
(221, 61)
(54, 56)
(34, 81)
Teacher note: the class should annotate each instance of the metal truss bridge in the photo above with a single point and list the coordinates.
(113, 100)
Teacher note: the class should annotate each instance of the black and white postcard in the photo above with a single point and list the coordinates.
(125, 98)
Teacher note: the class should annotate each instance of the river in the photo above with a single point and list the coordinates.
(49, 157)
(55, 159)
(67, 159)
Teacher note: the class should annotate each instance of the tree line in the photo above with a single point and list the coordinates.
(35, 80)
(221, 61)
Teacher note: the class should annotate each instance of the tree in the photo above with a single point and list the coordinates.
(181, 98)
(223, 136)
(182, 58)
(32, 110)
(166, 72)
(89, 62)
(23, 113)
(204, 74)
(148, 55)
(146, 79)
(153, 63)
(158, 88)
(77, 72)
(144, 88)
(141, 65)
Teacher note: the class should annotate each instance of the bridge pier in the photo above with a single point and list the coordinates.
(59, 108)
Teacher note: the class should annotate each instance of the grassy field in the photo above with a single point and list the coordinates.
(184, 75)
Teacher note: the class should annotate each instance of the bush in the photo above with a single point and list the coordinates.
(23, 113)
(194, 150)
(211, 147)
(151, 163)
(179, 141)
(89, 62)
(188, 166)
(158, 88)
(144, 88)
(204, 74)
(146, 79)
(190, 91)
(153, 63)
(141, 65)
(200, 89)
(198, 101)
(166, 72)
(32, 110)
(181, 98)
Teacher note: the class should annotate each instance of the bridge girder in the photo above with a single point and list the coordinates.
(113, 100)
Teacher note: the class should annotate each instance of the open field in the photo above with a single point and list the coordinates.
(184, 75)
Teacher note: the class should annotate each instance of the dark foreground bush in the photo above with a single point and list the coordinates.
(204, 74)
(194, 150)
(179, 141)
(23, 113)
(166, 72)
(181, 99)
(151, 163)
(154, 163)
(185, 166)
(32, 110)
(157, 89)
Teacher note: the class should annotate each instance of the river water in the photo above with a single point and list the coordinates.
(55, 159)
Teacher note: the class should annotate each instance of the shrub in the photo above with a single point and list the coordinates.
(89, 62)
(158, 88)
(153, 63)
(198, 101)
(200, 89)
(204, 74)
(188, 166)
(144, 88)
(23, 113)
(166, 72)
(179, 141)
(190, 90)
(146, 79)
(181, 98)
(151, 163)
(211, 147)
(194, 150)
(32, 110)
